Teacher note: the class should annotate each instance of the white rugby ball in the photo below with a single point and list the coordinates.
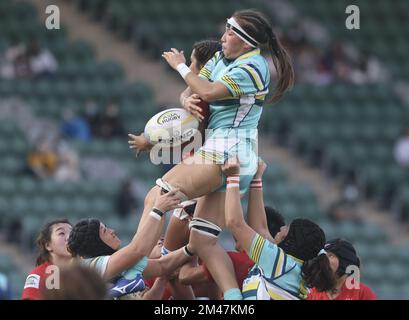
(171, 127)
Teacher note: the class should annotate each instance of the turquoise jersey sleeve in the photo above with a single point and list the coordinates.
(136, 269)
(208, 68)
(97, 263)
(244, 79)
(271, 259)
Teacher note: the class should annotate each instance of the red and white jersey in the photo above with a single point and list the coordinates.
(35, 282)
(363, 293)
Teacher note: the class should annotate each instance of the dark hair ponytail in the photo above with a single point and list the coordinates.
(283, 65)
(44, 238)
(258, 26)
(317, 273)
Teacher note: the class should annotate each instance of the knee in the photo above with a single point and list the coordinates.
(199, 242)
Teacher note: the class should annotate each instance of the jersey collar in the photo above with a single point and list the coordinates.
(248, 54)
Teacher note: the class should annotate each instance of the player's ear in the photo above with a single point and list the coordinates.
(48, 247)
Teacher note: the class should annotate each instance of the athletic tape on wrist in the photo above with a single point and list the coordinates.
(156, 213)
(183, 70)
(233, 181)
(256, 184)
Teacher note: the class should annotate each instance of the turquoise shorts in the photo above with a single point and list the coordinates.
(223, 144)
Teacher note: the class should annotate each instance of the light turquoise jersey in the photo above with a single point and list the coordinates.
(275, 275)
(234, 119)
(247, 78)
(100, 265)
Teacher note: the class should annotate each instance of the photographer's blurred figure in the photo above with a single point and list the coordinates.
(402, 150)
(77, 282)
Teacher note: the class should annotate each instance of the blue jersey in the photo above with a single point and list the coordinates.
(247, 78)
(275, 275)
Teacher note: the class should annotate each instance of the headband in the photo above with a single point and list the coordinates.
(243, 35)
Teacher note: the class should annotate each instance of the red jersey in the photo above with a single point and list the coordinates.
(35, 282)
(241, 263)
(363, 293)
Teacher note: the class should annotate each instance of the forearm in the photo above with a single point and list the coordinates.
(186, 93)
(234, 215)
(148, 234)
(256, 215)
(208, 91)
(156, 292)
(198, 85)
(233, 209)
(190, 275)
(172, 261)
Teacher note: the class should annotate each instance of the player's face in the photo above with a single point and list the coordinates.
(194, 64)
(156, 252)
(333, 261)
(232, 45)
(109, 237)
(59, 237)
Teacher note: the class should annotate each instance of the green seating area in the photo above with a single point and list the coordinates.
(346, 130)
(16, 280)
(384, 28)
(164, 24)
(80, 77)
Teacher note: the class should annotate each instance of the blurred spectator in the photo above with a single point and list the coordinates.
(43, 160)
(78, 283)
(21, 61)
(68, 169)
(402, 150)
(343, 210)
(15, 63)
(75, 127)
(42, 61)
(92, 116)
(110, 123)
(14, 229)
(126, 201)
(5, 289)
(102, 168)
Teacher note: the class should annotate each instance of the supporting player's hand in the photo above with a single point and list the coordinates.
(174, 57)
(168, 201)
(261, 167)
(190, 104)
(139, 143)
(231, 166)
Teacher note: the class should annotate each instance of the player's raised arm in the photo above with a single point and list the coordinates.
(256, 215)
(208, 91)
(146, 237)
(233, 210)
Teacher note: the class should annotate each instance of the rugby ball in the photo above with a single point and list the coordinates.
(171, 127)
